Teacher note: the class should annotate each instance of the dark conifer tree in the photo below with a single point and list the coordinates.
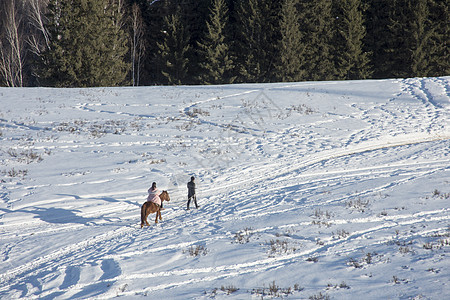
(256, 40)
(398, 50)
(421, 33)
(250, 41)
(87, 45)
(217, 63)
(153, 14)
(352, 61)
(376, 39)
(174, 50)
(415, 44)
(54, 69)
(272, 10)
(194, 14)
(291, 64)
(439, 63)
(317, 24)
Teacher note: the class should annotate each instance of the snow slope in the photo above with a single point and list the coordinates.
(307, 190)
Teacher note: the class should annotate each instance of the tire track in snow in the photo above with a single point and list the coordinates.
(227, 271)
(417, 89)
(288, 166)
(381, 142)
(207, 274)
(230, 271)
(74, 254)
(309, 188)
(69, 252)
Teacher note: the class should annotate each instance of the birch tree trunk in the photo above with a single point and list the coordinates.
(137, 44)
(11, 44)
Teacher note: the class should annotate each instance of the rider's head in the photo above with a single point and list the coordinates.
(154, 185)
(192, 178)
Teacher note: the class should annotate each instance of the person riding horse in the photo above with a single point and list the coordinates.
(153, 204)
(153, 196)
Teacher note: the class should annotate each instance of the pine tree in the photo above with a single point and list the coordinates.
(429, 39)
(87, 45)
(412, 49)
(112, 43)
(272, 12)
(217, 65)
(439, 62)
(250, 45)
(408, 37)
(173, 50)
(194, 14)
(421, 33)
(352, 62)
(257, 37)
(292, 51)
(153, 14)
(55, 69)
(398, 50)
(377, 38)
(317, 24)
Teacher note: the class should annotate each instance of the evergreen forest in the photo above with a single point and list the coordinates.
(88, 43)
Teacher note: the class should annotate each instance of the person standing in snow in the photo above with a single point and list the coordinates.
(191, 192)
(153, 195)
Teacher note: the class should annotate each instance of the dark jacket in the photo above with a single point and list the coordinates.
(191, 189)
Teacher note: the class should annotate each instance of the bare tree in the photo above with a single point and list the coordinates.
(39, 38)
(137, 44)
(12, 46)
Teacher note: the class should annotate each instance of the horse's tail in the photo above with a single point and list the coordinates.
(143, 215)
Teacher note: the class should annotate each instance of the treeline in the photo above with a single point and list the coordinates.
(80, 43)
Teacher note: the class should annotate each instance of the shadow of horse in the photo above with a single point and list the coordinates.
(53, 215)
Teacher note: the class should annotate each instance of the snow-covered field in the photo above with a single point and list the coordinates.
(307, 191)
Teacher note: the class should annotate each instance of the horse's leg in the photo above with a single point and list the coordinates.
(147, 212)
(144, 214)
(160, 217)
(156, 219)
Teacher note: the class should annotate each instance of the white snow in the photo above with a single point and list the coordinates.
(315, 189)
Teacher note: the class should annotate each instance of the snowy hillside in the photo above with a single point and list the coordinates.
(310, 190)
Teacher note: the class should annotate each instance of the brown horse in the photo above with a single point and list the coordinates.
(150, 207)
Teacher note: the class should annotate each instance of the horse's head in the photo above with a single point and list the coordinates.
(164, 196)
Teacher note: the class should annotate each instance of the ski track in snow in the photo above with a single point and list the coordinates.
(287, 176)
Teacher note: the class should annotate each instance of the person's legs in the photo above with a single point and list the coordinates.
(189, 201)
(195, 201)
